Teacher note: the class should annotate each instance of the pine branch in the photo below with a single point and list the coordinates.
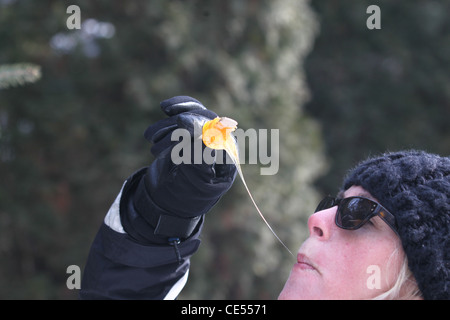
(18, 74)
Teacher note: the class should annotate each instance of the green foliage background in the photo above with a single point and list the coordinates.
(337, 91)
(379, 90)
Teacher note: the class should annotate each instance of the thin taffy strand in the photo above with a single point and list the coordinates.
(217, 134)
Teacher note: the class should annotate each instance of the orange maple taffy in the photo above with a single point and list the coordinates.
(216, 134)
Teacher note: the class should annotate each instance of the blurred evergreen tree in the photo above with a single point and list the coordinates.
(68, 142)
(380, 90)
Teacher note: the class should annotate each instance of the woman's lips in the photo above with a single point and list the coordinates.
(304, 263)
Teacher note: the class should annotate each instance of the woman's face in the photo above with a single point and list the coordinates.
(334, 263)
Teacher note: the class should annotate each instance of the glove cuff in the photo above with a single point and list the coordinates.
(163, 222)
(146, 222)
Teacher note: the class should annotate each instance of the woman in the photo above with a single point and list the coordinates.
(385, 236)
(392, 216)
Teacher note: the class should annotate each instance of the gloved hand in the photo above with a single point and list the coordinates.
(172, 198)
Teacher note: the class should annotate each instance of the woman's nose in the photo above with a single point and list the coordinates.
(321, 223)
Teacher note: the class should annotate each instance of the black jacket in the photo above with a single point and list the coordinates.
(118, 267)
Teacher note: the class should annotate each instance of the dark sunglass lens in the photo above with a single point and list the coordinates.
(353, 212)
(326, 203)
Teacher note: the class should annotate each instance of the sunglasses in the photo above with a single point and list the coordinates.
(354, 212)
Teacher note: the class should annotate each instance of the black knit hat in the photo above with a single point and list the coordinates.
(415, 187)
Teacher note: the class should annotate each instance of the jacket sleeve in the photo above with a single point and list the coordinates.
(118, 267)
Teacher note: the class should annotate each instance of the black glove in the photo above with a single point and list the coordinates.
(170, 200)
